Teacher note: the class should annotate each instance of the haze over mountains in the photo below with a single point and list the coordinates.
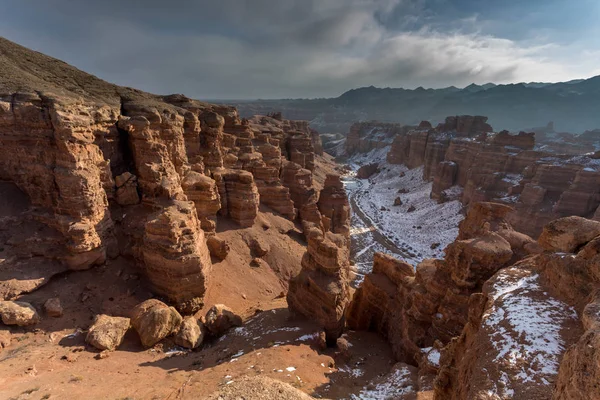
(572, 106)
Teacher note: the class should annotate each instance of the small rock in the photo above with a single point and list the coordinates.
(153, 320)
(344, 347)
(258, 247)
(191, 334)
(411, 209)
(321, 340)
(221, 318)
(398, 201)
(244, 296)
(218, 247)
(69, 357)
(18, 313)
(402, 174)
(256, 262)
(402, 191)
(434, 246)
(107, 333)
(102, 355)
(53, 307)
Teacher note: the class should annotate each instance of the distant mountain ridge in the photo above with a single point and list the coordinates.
(573, 106)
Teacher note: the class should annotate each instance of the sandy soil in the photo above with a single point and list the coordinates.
(52, 361)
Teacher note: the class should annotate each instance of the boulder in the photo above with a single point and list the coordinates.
(153, 320)
(107, 333)
(127, 190)
(258, 247)
(366, 171)
(18, 313)
(191, 333)
(53, 308)
(218, 247)
(568, 234)
(220, 319)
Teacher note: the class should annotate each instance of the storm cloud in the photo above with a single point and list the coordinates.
(307, 48)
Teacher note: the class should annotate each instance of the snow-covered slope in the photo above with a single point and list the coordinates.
(378, 225)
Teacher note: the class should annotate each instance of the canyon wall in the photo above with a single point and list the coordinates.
(116, 171)
(501, 316)
(464, 154)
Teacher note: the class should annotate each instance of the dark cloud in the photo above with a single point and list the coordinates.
(286, 48)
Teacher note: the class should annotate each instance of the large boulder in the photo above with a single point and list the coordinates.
(153, 320)
(18, 313)
(221, 318)
(191, 334)
(568, 234)
(107, 333)
(217, 247)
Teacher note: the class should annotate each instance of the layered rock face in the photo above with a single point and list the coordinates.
(509, 168)
(502, 316)
(334, 206)
(321, 291)
(80, 148)
(543, 311)
(414, 308)
(366, 136)
(176, 258)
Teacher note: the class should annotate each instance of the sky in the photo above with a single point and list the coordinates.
(248, 49)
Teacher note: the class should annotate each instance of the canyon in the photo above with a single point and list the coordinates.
(158, 246)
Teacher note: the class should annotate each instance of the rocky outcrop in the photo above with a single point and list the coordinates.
(302, 191)
(541, 183)
(239, 195)
(80, 148)
(554, 347)
(366, 171)
(413, 308)
(334, 206)
(203, 191)
(176, 258)
(321, 291)
(367, 136)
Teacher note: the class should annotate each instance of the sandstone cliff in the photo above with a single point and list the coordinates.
(540, 181)
(116, 171)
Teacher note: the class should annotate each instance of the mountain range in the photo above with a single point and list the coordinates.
(572, 106)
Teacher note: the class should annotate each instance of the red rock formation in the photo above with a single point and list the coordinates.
(239, 195)
(552, 344)
(366, 136)
(466, 125)
(366, 171)
(413, 308)
(177, 261)
(334, 206)
(321, 291)
(303, 194)
(76, 144)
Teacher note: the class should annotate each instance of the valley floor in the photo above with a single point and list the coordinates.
(379, 226)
